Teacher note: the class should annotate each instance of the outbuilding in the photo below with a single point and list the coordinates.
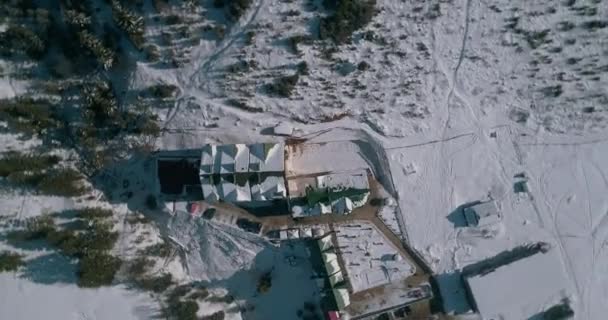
(482, 214)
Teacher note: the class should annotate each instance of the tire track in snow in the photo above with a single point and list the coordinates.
(559, 237)
(188, 82)
(207, 64)
(586, 290)
(446, 162)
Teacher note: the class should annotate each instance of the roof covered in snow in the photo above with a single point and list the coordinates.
(520, 289)
(342, 298)
(482, 214)
(325, 243)
(244, 173)
(231, 158)
(344, 180)
(370, 260)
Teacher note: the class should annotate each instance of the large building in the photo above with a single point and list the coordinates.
(519, 289)
(248, 175)
(241, 173)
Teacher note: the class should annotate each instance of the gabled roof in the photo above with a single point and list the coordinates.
(325, 243)
(267, 157)
(342, 298)
(228, 191)
(336, 278)
(332, 267)
(242, 158)
(482, 214)
(207, 156)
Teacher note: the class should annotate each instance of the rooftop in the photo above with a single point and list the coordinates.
(519, 289)
(233, 158)
(369, 259)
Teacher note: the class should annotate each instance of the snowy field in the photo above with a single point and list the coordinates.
(224, 257)
(460, 97)
(23, 299)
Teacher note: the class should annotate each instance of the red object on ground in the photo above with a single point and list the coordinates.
(333, 315)
(195, 208)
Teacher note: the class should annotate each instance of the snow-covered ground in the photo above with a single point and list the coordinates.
(24, 299)
(225, 257)
(460, 97)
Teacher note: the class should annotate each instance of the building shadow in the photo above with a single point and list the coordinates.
(453, 293)
(456, 217)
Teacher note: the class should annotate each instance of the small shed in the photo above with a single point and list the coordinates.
(342, 298)
(325, 243)
(306, 232)
(283, 234)
(293, 233)
(332, 267)
(336, 278)
(482, 214)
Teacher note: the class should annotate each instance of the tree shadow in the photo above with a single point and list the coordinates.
(50, 269)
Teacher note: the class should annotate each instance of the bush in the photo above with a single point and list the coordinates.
(105, 57)
(183, 310)
(93, 213)
(29, 115)
(594, 25)
(284, 86)
(377, 202)
(294, 41)
(199, 294)
(163, 90)
(155, 284)
(302, 68)
(348, 16)
(363, 65)
(10, 261)
(235, 8)
(129, 22)
(14, 162)
(152, 53)
(220, 315)
(265, 282)
(139, 267)
(36, 228)
(537, 38)
(97, 269)
(552, 91)
(99, 237)
(21, 39)
(159, 250)
(64, 182)
(67, 241)
(95, 239)
(101, 107)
